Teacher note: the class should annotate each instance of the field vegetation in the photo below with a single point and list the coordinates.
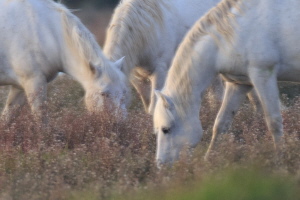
(91, 156)
(82, 156)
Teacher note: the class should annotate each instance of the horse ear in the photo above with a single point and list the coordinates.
(158, 94)
(120, 63)
(166, 102)
(94, 69)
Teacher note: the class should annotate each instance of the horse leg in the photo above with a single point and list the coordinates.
(265, 84)
(15, 100)
(254, 100)
(142, 88)
(36, 91)
(216, 90)
(234, 95)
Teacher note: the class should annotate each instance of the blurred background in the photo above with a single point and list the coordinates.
(94, 3)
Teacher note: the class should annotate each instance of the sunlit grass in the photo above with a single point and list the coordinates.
(239, 184)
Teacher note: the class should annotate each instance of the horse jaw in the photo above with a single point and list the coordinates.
(170, 146)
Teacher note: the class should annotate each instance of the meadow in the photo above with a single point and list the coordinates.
(82, 156)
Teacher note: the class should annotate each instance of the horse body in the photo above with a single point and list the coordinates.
(17, 42)
(252, 44)
(264, 49)
(148, 33)
(38, 40)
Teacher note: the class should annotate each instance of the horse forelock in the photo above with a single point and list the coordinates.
(131, 29)
(178, 76)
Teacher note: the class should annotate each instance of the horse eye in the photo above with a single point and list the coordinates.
(166, 130)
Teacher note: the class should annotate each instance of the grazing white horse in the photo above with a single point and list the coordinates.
(252, 44)
(147, 33)
(38, 39)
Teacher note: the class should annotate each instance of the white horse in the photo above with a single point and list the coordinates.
(252, 44)
(38, 39)
(147, 34)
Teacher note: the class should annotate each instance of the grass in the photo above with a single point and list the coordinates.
(230, 184)
(91, 156)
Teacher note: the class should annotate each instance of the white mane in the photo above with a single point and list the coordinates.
(80, 39)
(144, 16)
(178, 77)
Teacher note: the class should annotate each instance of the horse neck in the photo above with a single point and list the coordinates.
(79, 70)
(192, 71)
(78, 67)
(128, 36)
(80, 49)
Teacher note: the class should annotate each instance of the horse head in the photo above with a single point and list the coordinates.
(174, 132)
(108, 89)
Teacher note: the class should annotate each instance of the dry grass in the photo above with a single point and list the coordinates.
(84, 156)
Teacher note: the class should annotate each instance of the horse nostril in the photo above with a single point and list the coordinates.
(104, 94)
